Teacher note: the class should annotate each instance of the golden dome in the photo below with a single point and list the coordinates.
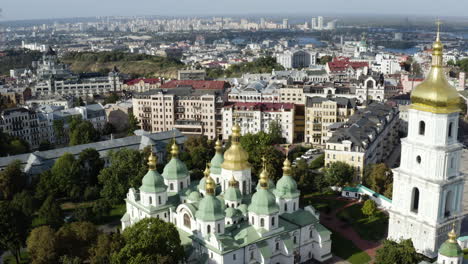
(263, 178)
(435, 94)
(174, 150)
(152, 161)
(210, 185)
(218, 146)
(235, 158)
(452, 235)
(286, 167)
(233, 182)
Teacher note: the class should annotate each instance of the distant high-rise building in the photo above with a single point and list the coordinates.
(262, 22)
(285, 23)
(314, 23)
(320, 22)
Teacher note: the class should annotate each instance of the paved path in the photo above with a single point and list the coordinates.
(332, 222)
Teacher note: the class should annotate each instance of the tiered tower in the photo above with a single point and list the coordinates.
(428, 185)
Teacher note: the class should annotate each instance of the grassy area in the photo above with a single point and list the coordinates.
(24, 258)
(465, 253)
(115, 214)
(374, 228)
(346, 250)
(321, 202)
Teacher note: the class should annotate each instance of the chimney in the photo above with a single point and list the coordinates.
(461, 81)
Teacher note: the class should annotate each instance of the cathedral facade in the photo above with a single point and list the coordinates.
(225, 217)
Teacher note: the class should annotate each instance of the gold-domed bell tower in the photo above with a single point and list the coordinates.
(428, 185)
(236, 164)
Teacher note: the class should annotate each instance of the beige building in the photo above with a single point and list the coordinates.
(321, 112)
(292, 94)
(191, 111)
(369, 137)
(141, 85)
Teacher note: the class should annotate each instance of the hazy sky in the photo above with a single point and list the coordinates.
(32, 9)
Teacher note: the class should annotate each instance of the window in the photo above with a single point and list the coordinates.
(418, 159)
(294, 206)
(181, 185)
(310, 233)
(294, 240)
(262, 222)
(253, 220)
(251, 255)
(159, 199)
(171, 186)
(187, 221)
(150, 200)
(450, 129)
(234, 257)
(415, 200)
(422, 128)
(219, 228)
(285, 207)
(208, 229)
(277, 246)
(448, 204)
(273, 221)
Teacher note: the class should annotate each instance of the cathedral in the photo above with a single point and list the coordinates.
(428, 185)
(225, 217)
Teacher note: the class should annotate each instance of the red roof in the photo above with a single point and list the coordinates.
(264, 107)
(195, 84)
(340, 64)
(149, 80)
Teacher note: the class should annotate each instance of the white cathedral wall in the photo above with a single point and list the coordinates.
(240, 176)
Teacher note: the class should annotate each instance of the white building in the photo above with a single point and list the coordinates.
(428, 185)
(296, 59)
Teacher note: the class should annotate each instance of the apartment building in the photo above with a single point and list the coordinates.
(256, 117)
(369, 137)
(192, 107)
(321, 112)
(22, 123)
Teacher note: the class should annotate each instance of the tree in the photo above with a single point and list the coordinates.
(45, 145)
(83, 133)
(24, 201)
(133, 124)
(14, 226)
(369, 208)
(42, 245)
(106, 246)
(100, 209)
(150, 241)
(59, 129)
(12, 180)
(303, 176)
(127, 168)
(338, 174)
(111, 99)
(51, 213)
(66, 174)
(318, 162)
(275, 132)
(378, 177)
(91, 164)
(397, 253)
(75, 239)
(108, 129)
(10, 145)
(325, 59)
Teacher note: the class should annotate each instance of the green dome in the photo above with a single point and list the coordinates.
(450, 249)
(232, 212)
(232, 194)
(210, 208)
(242, 208)
(153, 182)
(201, 184)
(216, 162)
(286, 187)
(271, 185)
(263, 203)
(194, 197)
(175, 169)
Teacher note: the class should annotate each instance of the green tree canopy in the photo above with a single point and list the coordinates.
(66, 174)
(14, 227)
(12, 180)
(133, 124)
(339, 174)
(51, 213)
(83, 133)
(10, 145)
(25, 202)
(318, 162)
(42, 245)
(75, 239)
(91, 164)
(369, 208)
(379, 177)
(105, 247)
(151, 240)
(397, 253)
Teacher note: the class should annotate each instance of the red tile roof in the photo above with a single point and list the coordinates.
(148, 80)
(196, 84)
(264, 107)
(340, 64)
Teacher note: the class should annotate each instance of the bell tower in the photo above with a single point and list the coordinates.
(428, 185)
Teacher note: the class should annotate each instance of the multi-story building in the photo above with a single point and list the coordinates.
(368, 137)
(225, 218)
(191, 75)
(256, 91)
(370, 88)
(193, 107)
(293, 94)
(22, 123)
(296, 59)
(256, 117)
(321, 112)
(141, 84)
(342, 68)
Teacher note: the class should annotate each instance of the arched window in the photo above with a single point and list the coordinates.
(422, 128)
(208, 229)
(252, 254)
(273, 221)
(219, 228)
(253, 220)
(187, 221)
(415, 200)
(285, 207)
(448, 204)
(294, 206)
(277, 246)
(181, 185)
(450, 129)
(150, 200)
(159, 199)
(262, 222)
(418, 159)
(171, 186)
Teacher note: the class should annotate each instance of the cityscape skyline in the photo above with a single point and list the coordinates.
(58, 9)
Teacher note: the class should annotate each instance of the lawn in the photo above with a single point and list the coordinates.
(322, 203)
(114, 215)
(24, 258)
(346, 250)
(374, 228)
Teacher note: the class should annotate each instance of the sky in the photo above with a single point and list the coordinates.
(39, 9)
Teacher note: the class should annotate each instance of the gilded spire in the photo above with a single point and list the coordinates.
(209, 182)
(218, 146)
(174, 150)
(287, 164)
(233, 182)
(152, 161)
(264, 175)
(452, 235)
(235, 157)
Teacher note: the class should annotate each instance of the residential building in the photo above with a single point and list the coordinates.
(321, 112)
(22, 123)
(256, 117)
(370, 88)
(368, 137)
(292, 59)
(428, 186)
(193, 107)
(141, 84)
(255, 91)
(231, 222)
(191, 75)
(117, 114)
(342, 68)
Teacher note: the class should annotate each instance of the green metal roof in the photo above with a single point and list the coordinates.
(232, 212)
(175, 169)
(232, 194)
(210, 208)
(271, 185)
(286, 187)
(264, 249)
(216, 162)
(201, 185)
(153, 182)
(263, 203)
(300, 217)
(194, 196)
(449, 249)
